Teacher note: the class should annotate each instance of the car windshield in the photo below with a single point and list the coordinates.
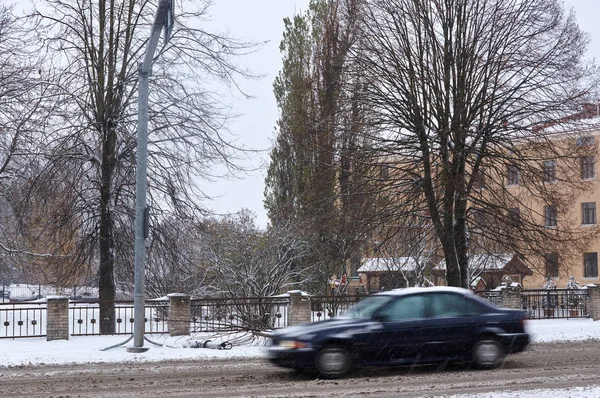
(366, 307)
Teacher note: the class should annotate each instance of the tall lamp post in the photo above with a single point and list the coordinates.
(163, 21)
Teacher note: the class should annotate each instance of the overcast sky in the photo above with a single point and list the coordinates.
(262, 20)
(587, 12)
(257, 21)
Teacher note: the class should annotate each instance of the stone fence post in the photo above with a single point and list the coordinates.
(179, 314)
(299, 310)
(57, 318)
(593, 303)
(511, 297)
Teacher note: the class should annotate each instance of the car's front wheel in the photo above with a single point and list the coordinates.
(333, 362)
(488, 353)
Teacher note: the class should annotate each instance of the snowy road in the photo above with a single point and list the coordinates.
(558, 365)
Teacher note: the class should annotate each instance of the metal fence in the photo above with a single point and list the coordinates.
(84, 316)
(555, 303)
(207, 315)
(22, 320)
(245, 313)
(493, 296)
(543, 304)
(251, 313)
(326, 307)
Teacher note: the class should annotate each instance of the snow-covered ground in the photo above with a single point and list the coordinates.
(576, 392)
(85, 349)
(38, 351)
(93, 349)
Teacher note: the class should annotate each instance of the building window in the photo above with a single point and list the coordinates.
(551, 265)
(588, 213)
(479, 218)
(385, 172)
(376, 246)
(549, 171)
(590, 265)
(514, 217)
(513, 175)
(588, 171)
(354, 265)
(479, 180)
(587, 140)
(550, 216)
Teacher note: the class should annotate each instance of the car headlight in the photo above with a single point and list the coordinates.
(292, 344)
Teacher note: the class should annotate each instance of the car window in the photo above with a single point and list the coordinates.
(366, 307)
(409, 307)
(449, 305)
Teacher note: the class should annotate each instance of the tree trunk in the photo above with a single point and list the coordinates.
(453, 274)
(462, 254)
(107, 291)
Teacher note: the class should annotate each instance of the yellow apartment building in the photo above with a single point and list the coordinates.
(579, 214)
(575, 217)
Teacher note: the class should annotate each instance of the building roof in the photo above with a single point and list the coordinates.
(477, 281)
(578, 126)
(493, 262)
(411, 290)
(390, 264)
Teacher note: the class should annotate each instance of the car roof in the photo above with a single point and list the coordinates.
(433, 289)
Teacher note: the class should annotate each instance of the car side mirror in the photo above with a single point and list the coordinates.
(380, 318)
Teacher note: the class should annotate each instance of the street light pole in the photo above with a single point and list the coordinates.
(162, 20)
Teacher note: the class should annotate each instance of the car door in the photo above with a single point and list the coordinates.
(453, 320)
(400, 336)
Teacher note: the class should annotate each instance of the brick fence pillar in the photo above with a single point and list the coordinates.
(299, 311)
(511, 297)
(57, 318)
(179, 314)
(593, 303)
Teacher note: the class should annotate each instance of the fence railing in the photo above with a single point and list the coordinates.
(245, 313)
(556, 303)
(29, 319)
(84, 316)
(326, 307)
(24, 319)
(493, 296)
(542, 303)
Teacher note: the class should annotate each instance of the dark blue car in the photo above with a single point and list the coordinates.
(405, 326)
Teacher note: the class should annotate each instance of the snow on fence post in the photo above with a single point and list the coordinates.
(57, 318)
(299, 311)
(180, 314)
(594, 302)
(511, 297)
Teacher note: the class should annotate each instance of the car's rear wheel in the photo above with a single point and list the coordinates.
(488, 353)
(333, 362)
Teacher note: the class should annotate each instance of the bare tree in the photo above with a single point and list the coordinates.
(22, 98)
(461, 88)
(94, 49)
(407, 252)
(245, 262)
(248, 262)
(176, 261)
